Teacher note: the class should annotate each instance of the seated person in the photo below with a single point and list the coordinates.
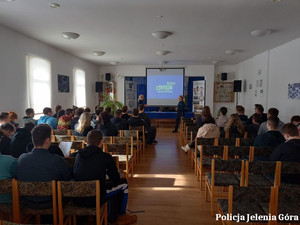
(57, 109)
(240, 111)
(288, 151)
(296, 121)
(64, 122)
(106, 127)
(29, 117)
(4, 118)
(40, 165)
(125, 113)
(151, 130)
(92, 163)
(272, 112)
(208, 130)
(205, 117)
(223, 119)
(260, 110)
(48, 119)
(118, 121)
(8, 166)
(13, 118)
(252, 129)
(84, 124)
(8, 130)
(77, 114)
(235, 127)
(135, 120)
(272, 138)
(20, 140)
(108, 110)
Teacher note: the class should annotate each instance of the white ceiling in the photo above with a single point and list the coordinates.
(202, 29)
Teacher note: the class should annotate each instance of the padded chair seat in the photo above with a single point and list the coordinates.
(122, 158)
(30, 211)
(224, 179)
(206, 161)
(259, 180)
(71, 209)
(5, 208)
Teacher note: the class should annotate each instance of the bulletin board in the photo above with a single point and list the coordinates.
(223, 92)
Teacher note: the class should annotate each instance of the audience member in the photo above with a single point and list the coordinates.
(118, 121)
(141, 100)
(135, 120)
(87, 109)
(7, 170)
(77, 114)
(7, 130)
(272, 112)
(260, 110)
(235, 127)
(29, 117)
(180, 112)
(223, 119)
(20, 140)
(56, 109)
(106, 127)
(272, 137)
(151, 130)
(40, 165)
(64, 122)
(84, 124)
(207, 130)
(92, 163)
(125, 113)
(296, 121)
(48, 119)
(288, 151)
(205, 117)
(240, 111)
(13, 118)
(108, 110)
(4, 118)
(252, 129)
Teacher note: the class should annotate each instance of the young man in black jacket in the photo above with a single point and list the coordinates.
(118, 121)
(92, 163)
(151, 130)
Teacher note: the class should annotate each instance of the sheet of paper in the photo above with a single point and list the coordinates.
(65, 147)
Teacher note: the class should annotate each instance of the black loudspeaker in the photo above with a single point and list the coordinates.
(107, 76)
(223, 76)
(99, 86)
(237, 86)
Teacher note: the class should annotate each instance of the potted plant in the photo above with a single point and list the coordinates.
(109, 102)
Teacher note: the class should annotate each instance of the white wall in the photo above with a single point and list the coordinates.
(136, 70)
(13, 88)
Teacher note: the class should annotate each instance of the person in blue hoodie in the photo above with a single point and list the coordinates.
(48, 119)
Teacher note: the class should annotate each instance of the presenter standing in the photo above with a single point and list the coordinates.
(180, 112)
(141, 100)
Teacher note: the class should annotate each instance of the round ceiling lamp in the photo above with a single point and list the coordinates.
(161, 34)
(7, 0)
(260, 32)
(70, 35)
(162, 52)
(98, 53)
(54, 5)
(113, 63)
(215, 62)
(231, 52)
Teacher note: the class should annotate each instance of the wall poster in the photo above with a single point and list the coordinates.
(198, 95)
(130, 95)
(223, 92)
(63, 83)
(294, 91)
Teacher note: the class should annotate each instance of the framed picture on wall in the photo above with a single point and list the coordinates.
(294, 91)
(63, 83)
(223, 92)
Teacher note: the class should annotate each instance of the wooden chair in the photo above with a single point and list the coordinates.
(287, 172)
(223, 174)
(61, 132)
(142, 135)
(74, 189)
(233, 152)
(107, 140)
(137, 143)
(60, 138)
(260, 153)
(130, 142)
(3, 222)
(244, 141)
(33, 189)
(226, 141)
(6, 188)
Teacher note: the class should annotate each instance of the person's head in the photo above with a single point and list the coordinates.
(141, 97)
(4, 118)
(108, 110)
(273, 123)
(295, 120)
(135, 112)
(206, 112)
(118, 113)
(256, 118)
(100, 108)
(290, 131)
(94, 138)
(69, 112)
(29, 126)
(235, 121)
(79, 111)
(7, 129)
(47, 111)
(240, 110)
(141, 108)
(60, 113)
(180, 98)
(124, 109)
(41, 136)
(259, 108)
(223, 111)
(12, 116)
(29, 112)
(95, 108)
(84, 122)
(272, 112)
(57, 108)
(87, 109)
(105, 117)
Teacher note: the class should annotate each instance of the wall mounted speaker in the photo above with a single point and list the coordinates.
(223, 76)
(107, 76)
(99, 86)
(237, 86)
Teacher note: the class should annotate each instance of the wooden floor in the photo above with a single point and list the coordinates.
(165, 188)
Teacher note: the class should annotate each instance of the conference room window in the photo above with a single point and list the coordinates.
(39, 83)
(79, 88)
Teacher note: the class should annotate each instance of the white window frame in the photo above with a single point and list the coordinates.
(76, 101)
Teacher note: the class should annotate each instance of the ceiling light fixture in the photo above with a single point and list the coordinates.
(231, 52)
(215, 62)
(161, 34)
(70, 35)
(54, 5)
(261, 32)
(275, 0)
(113, 63)
(162, 52)
(98, 53)
(7, 0)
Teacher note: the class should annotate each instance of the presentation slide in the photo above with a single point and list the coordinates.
(164, 87)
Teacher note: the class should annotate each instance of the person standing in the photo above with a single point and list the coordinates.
(140, 100)
(180, 112)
